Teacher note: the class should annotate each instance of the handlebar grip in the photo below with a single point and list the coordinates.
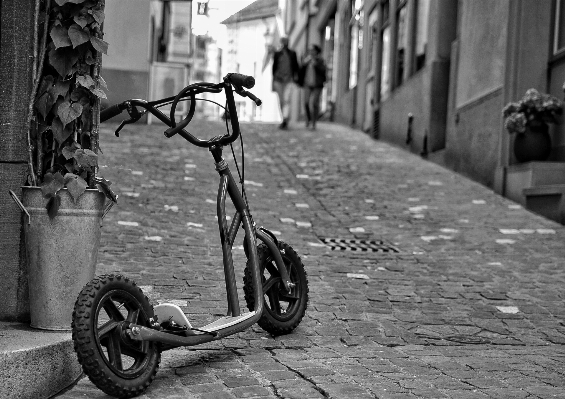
(238, 79)
(254, 98)
(110, 112)
(170, 132)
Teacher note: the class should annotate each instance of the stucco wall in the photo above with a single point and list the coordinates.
(411, 97)
(127, 30)
(125, 85)
(478, 79)
(472, 147)
(483, 36)
(558, 132)
(126, 66)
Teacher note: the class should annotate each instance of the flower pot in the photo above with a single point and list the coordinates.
(534, 144)
(61, 253)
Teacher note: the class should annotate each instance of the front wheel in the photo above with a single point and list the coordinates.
(115, 363)
(283, 310)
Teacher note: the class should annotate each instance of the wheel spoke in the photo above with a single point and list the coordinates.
(113, 311)
(133, 316)
(273, 271)
(270, 282)
(107, 328)
(114, 351)
(136, 353)
(274, 301)
(289, 267)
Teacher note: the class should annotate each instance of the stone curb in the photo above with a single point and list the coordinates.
(34, 363)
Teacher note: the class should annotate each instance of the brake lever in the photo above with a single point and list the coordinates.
(117, 132)
(244, 93)
(134, 114)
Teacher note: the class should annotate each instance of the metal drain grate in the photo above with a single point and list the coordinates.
(344, 244)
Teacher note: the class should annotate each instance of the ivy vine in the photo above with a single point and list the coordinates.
(64, 135)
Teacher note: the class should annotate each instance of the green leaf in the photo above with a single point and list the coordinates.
(85, 81)
(89, 59)
(46, 84)
(98, 93)
(86, 158)
(52, 183)
(85, 102)
(70, 167)
(98, 15)
(60, 133)
(61, 88)
(68, 112)
(63, 60)
(82, 67)
(60, 36)
(44, 104)
(76, 185)
(99, 45)
(78, 35)
(53, 206)
(103, 186)
(78, 94)
(81, 20)
(63, 2)
(69, 151)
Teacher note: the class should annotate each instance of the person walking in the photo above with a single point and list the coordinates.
(313, 76)
(285, 73)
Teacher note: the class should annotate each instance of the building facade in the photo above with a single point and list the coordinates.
(434, 76)
(251, 33)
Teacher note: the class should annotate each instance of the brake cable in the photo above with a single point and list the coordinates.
(242, 173)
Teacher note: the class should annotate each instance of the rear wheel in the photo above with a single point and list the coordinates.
(283, 310)
(115, 363)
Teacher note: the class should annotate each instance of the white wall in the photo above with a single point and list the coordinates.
(127, 30)
(245, 54)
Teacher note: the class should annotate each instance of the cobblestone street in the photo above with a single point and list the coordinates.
(423, 284)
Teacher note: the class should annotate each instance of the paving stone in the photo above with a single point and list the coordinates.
(351, 391)
(300, 393)
(250, 392)
(425, 318)
(232, 382)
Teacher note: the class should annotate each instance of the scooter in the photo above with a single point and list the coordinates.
(119, 336)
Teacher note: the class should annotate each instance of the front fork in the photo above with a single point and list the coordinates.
(228, 236)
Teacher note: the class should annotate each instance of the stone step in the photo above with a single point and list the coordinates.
(35, 363)
(547, 200)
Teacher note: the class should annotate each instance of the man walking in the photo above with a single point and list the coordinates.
(285, 72)
(313, 72)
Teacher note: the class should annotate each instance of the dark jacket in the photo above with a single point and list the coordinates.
(293, 63)
(319, 73)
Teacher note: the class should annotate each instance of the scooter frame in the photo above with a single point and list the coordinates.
(234, 322)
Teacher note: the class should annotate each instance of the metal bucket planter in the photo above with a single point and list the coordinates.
(61, 253)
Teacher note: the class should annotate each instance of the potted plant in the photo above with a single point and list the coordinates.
(63, 197)
(529, 119)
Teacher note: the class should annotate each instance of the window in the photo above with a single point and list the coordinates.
(559, 27)
(356, 43)
(374, 34)
(423, 9)
(401, 42)
(328, 92)
(385, 50)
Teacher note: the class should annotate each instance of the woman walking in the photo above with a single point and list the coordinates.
(313, 71)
